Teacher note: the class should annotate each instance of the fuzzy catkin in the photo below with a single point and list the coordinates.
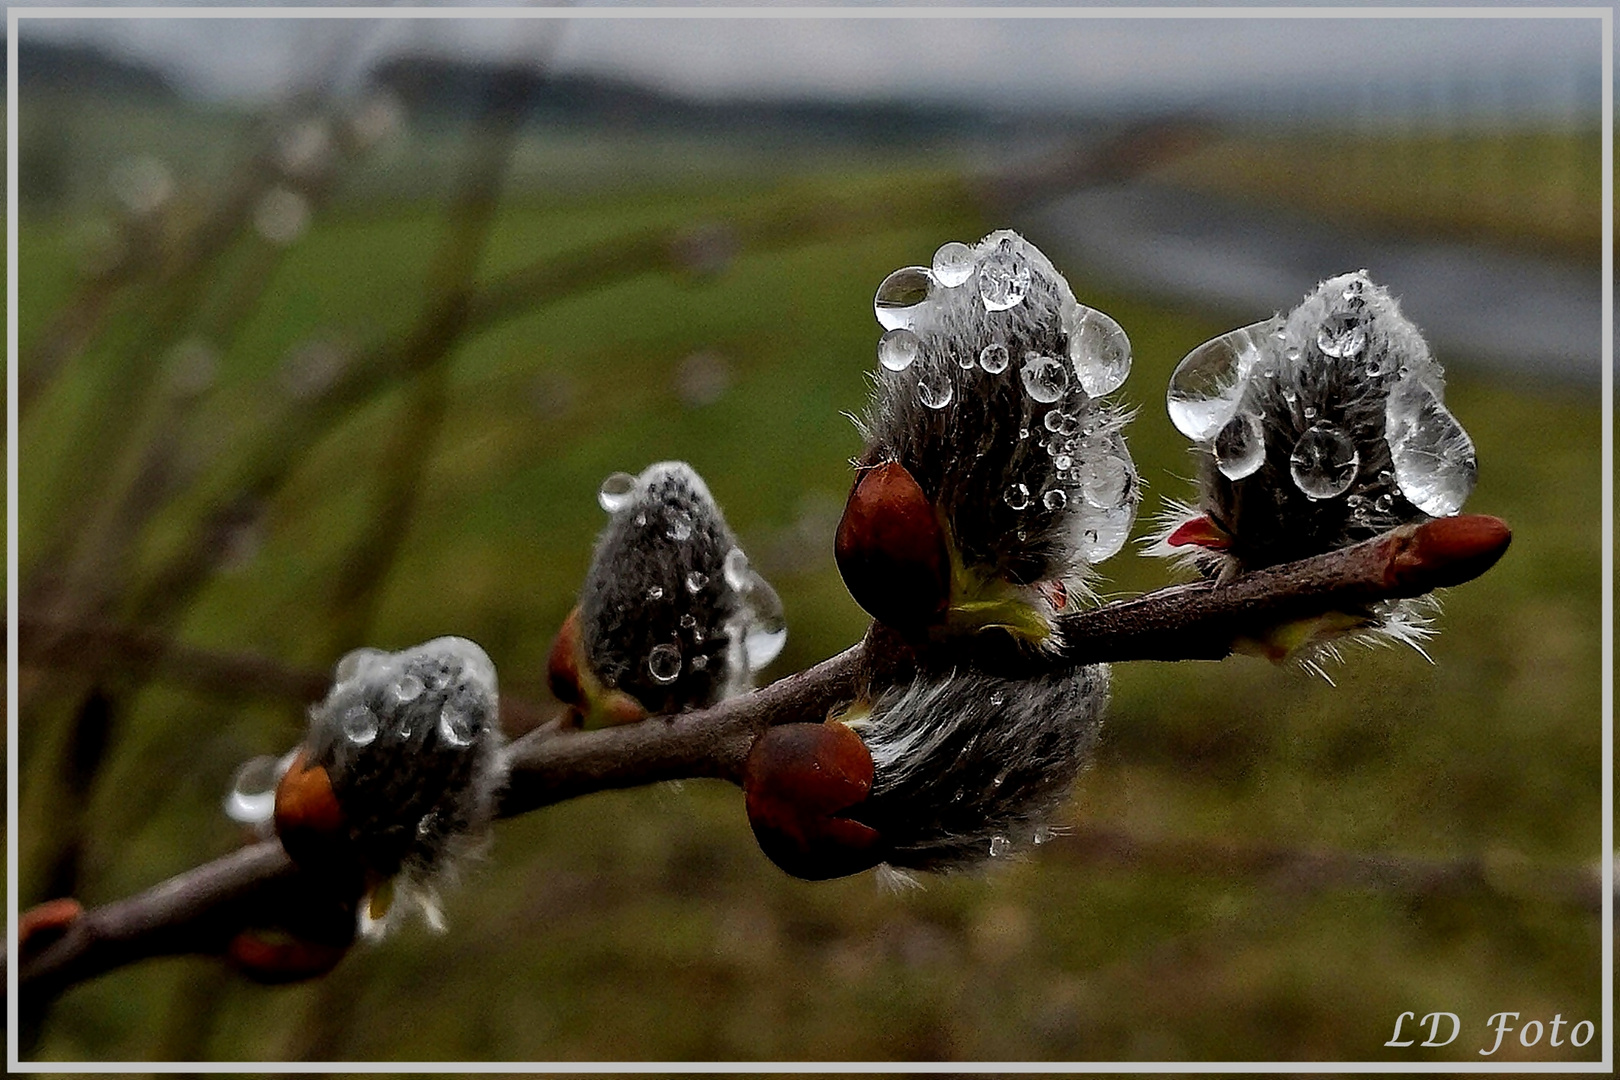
(413, 748)
(670, 600)
(987, 457)
(968, 766)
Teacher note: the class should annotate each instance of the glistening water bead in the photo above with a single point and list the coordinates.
(1342, 337)
(664, 664)
(953, 264)
(1003, 279)
(1045, 380)
(900, 292)
(897, 349)
(1434, 460)
(360, 726)
(1099, 351)
(1240, 446)
(1208, 384)
(1324, 461)
(617, 492)
(455, 727)
(934, 389)
(1016, 496)
(994, 359)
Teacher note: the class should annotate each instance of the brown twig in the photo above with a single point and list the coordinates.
(550, 765)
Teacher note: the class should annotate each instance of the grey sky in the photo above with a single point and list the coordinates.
(1001, 61)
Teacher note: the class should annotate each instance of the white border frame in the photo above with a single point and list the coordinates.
(1605, 15)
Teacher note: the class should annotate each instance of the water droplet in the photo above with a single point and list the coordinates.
(1104, 482)
(456, 728)
(1023, 433)
(1240, 446)
(994, 358)
(360, 725)
(1003, 278)
(1045, 379)
(1342, 336)
(409, 688)
(655, 593)
(901, 293)
(641, 518)
(999, 846)
(700, 662)
(998, 698)
(695, 581)
(1062, 423)
(1384, 503)
(425, 827)
(679, 526)
(953, 264)
(1016, 496)
(1208, 384)
(252, 800)
(766, 630)
(934, 389)
(736, 569)
(1310, 412)
(1100, 531)
(1434, 460)
(1100, 353)
(617, 492)
(897, 349)
(688, 622)
(664, 664)
(1324, 461)
(1055, 499)
(966, 360)
(1374, 368)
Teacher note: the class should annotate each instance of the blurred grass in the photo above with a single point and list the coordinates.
(645, 924)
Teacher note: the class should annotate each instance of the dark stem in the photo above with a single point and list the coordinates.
(195, 912)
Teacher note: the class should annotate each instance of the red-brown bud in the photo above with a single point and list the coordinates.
(271, 955)
(41, 925)
(891, 549)
(1450, 550)
(562, 669)
(309, 819)
(796, 782)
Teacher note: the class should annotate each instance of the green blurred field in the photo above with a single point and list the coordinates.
(645, 925)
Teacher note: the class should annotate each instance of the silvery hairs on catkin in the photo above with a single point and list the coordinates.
(1315, 431)
(985, 406)
(1342, 385)
(412, 744)
(670, 604)
(968, 766)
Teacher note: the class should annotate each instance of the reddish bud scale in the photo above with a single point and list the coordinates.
(1450, 550)
(1201, 531)
(275, 956)
(891, 549)
(796, 782)
(41, 925)
(562, 668)
(309, 819)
